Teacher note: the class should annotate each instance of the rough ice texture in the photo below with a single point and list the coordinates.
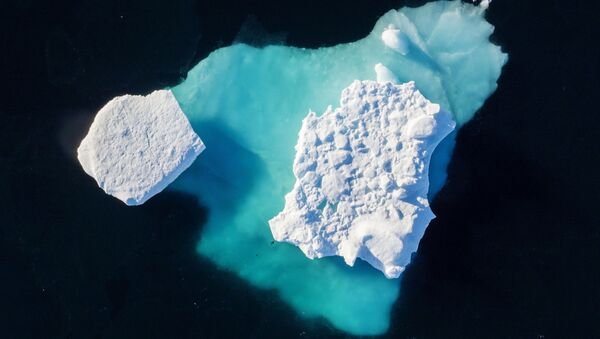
(362, 176)
(137, 146)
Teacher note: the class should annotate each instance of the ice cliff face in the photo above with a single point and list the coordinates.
(362, 176)
(137, 145)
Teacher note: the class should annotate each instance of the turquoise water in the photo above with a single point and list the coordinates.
(247, 105)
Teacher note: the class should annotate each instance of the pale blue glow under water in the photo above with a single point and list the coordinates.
(247, 105)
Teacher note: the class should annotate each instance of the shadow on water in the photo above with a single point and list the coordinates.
(227, 170)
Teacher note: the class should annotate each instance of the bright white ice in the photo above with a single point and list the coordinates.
(396, 40)
(137, 146)
(362, 176)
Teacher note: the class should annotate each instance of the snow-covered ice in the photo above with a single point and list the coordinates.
(362, 176)
(384, 74)
(248, 104)
(395, 39)
(137, 146)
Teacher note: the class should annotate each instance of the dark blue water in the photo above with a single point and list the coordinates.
(514, 251)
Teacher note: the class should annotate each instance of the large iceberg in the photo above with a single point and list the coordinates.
(248, 104)
(137, 145)
(362, 177)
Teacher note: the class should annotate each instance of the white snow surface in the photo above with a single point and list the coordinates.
(138, 145)
(362, 176)
(396, 40)
(384, 74)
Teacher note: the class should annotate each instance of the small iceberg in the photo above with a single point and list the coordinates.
(137, 146)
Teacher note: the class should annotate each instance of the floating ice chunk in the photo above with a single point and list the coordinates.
(384, 74)
(362, 190)
(137, 145)
(396, 40)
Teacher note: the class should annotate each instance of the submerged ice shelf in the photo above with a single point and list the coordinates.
(137, 145)
(362, 177)
(248, 105)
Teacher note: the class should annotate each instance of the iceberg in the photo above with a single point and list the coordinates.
(138, 145)
(249, 103)
(362, 177)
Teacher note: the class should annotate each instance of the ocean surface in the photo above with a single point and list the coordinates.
(514, 250)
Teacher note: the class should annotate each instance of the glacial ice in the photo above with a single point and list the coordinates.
(248, 105)
(384, 74)
(396, 40)
(137, 145)
(362, 177)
